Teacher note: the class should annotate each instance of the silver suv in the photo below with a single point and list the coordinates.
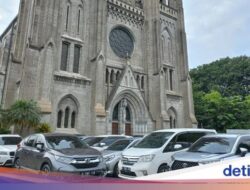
(59, 153)
(211, 149)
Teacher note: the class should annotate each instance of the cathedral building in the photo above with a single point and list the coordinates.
(100, 66)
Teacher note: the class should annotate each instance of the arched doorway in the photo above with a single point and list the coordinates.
(122, 120)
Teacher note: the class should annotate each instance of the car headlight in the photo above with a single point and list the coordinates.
(146, 158)
(64, 160)
(109, 158)
(3, 153)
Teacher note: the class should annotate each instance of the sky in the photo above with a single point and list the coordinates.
(215, 28)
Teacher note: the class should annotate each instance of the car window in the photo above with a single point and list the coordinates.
(154, 140)
(214, 145)
(134, 143)
(30, 141)
(109, 140)
(10, 140)
(185, 140)
(40, 139)
(119, 145)
(64, 142)
(92, 140)
(244, 142)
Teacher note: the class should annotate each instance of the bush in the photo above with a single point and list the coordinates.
(4, 131)
(44, 128)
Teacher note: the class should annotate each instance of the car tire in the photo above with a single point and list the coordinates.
(46, 168)
(17, 164)
(163, 168)
(116, 170)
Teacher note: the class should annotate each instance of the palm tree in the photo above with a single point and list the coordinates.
(24, 114)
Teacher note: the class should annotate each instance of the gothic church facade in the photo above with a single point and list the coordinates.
(100, 66)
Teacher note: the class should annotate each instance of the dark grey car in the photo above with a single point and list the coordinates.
(59, 153)
(211, 149)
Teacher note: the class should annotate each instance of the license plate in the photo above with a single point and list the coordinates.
(126, 169)
(87, 173)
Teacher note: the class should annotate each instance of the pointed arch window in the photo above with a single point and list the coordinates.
(66, 119)
(117, 75)
(112, 77)
(59, 119)
(67, 18)
(142, 82)
(73, 119)
(77, 54)
(64, 56)
(78, 21)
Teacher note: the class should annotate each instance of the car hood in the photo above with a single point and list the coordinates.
(9, 148)
(197, 156)
(109, 152)
(137, 152)
(77, 152)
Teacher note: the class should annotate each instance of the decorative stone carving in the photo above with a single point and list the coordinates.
(125, 11)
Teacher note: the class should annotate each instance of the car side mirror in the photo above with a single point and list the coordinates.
(177, 147)
(40, 147)
(243, 152)
(102, 144)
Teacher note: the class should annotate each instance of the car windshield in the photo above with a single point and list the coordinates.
(109, 140)
(119, 145)
(214, 145)
(154, 140)
(64, 142)
(92, 140)
(10, 140)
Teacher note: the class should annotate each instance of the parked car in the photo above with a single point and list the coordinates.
(92, 140)
(211, 149)
(107, 141)
(8, 146)
(59, 153)
(153, 154)
(113, 154)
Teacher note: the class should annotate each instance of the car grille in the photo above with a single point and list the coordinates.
(129, 161)
(180, 165)
(84, 163)
(128, 173)
(12, 153)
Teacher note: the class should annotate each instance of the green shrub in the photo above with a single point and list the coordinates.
(43, 128)
(4, 131)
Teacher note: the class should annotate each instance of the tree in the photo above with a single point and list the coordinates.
(24, 115)
(222, 94)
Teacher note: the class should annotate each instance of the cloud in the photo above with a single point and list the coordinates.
(216, 29)
(8, 11)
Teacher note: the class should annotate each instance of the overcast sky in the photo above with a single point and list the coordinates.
(215, 28)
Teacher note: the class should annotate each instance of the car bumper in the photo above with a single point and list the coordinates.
(111, 166)
(100, 170)
(137, 170)
(6, 160)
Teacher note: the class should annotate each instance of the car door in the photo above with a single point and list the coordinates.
(38, 155)
(244, 142)
(180, 142)
(28, 149)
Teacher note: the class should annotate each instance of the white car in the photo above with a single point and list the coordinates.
(8, 146)
(153, 154)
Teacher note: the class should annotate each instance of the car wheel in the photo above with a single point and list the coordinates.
(163, 168)
(17, 163)
(116, 171)
(46, 168)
